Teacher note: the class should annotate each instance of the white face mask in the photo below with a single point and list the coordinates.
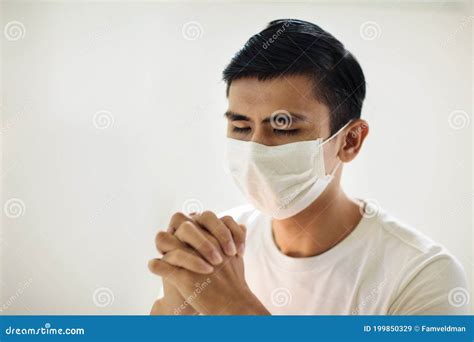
(282, 180)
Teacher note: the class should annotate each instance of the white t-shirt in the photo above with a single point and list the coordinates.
(381, 268)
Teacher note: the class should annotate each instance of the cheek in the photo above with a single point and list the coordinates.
(310, 131)
(330, 160)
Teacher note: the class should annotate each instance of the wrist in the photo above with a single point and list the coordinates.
(246, 305)
(163, 308)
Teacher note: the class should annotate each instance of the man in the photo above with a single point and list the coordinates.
(295, 97)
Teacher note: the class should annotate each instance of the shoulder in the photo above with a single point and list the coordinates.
(428, 277)
(408, 244)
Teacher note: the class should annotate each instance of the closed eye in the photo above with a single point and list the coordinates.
(241, 129)
(286, 131)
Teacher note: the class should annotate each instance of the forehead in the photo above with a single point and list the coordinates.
(258, 99)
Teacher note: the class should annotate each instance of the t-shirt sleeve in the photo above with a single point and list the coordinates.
(437, 288)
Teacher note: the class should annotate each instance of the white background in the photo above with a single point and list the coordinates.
(89, 200)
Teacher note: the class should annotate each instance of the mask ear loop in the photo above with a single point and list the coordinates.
(335, 134)
(332, 137)
(335, 169)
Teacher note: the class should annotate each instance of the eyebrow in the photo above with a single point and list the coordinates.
(232, 116)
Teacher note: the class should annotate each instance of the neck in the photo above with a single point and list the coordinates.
(318, 228)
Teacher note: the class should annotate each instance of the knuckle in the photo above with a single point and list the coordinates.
(227, 219)
(161, 237)
(207, 214)
(230, 224)
(177, 254)
(171, 257)
(225, 236)
(177, 216)
(185, 228)
(154, 266)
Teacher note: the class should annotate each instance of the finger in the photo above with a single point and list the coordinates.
(218, 229)
(166, 242)
(191, 234)
(176, 221)
(238, 233)
(167, 271)
(189, 261)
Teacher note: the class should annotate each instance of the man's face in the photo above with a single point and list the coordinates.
(276, 112)
(297, 115)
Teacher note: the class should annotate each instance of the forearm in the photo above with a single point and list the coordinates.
(250, 306)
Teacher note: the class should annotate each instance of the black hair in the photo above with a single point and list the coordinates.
(297, 47)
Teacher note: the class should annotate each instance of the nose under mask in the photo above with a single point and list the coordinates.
(282, 180)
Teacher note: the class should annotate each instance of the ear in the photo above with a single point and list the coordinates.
(354, 136)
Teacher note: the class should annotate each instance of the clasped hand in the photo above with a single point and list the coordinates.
(202, 267)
